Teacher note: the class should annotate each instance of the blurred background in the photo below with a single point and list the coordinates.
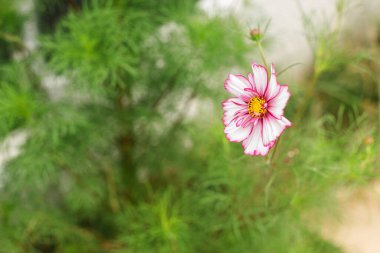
(112, 138)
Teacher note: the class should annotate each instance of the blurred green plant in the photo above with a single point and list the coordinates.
(346, 65)
(10, 32)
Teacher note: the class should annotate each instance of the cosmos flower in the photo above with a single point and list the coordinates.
(255, 115)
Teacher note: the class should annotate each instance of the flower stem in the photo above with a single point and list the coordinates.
(261, 51)
(270, 160)
(112, 189)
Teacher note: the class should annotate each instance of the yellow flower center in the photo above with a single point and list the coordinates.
(257, 107)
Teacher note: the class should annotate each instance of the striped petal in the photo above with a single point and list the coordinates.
(236, 119)
(233, 108)
(260, 78)
(253, 145)
(277, 104)
(273, 87)
(273, 128)
(237, 132)
(237, 85)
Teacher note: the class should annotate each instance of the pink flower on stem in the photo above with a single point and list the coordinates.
(255, 115)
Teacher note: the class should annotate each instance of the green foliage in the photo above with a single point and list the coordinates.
(11, 24)
(19, 105)
(85, 48)
(120, 163)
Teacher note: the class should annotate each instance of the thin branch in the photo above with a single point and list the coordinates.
(166, 91)
(288, 67)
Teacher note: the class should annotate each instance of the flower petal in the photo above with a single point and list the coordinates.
(236, 132)
(236, 119)
(253, 145)
(251, 80)
(233, 108)
(277, 104)
(273, 87)
(273, 128)
(235, 84)
(260, 77)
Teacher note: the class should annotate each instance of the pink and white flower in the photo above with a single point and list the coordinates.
(255, 115)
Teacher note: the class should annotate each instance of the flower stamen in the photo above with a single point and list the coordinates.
(257, 107)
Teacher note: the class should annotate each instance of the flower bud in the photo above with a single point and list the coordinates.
(255, 34)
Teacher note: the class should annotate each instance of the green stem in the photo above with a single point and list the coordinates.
(270, 160)
(112, 191)
(261, 51)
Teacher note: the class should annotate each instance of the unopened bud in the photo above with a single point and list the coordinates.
(255, 34)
